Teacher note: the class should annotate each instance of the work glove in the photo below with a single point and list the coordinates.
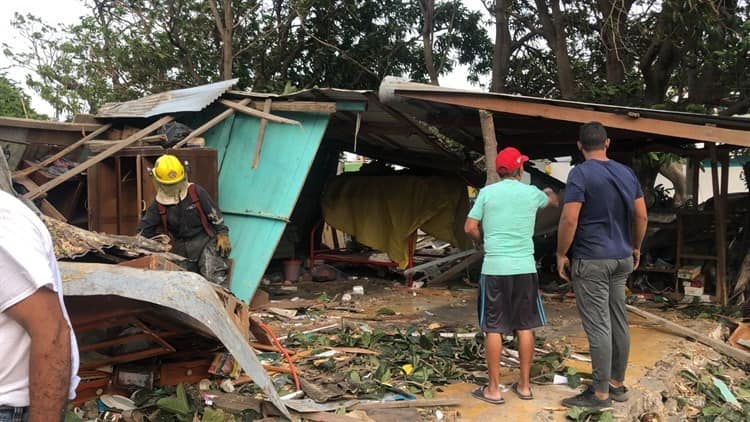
(222, 244)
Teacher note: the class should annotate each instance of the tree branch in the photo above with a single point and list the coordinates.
(451, 25)
(217, 17)
(341, 52)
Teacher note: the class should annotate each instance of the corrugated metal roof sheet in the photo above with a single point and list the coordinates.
(391, 86)
(385, 133)
(189, 99)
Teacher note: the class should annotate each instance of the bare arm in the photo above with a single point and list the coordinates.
(553, 200)
(565, 233)
(49, 363)
(640, 223)
(471, 227)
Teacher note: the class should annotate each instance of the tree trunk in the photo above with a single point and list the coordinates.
(657, 64)
(553, 28)
(227, 53)
(501, 49)
(675, 173)
(564, 68)
(428, 10)
(614, 24)
(646, 171)
(224, 26)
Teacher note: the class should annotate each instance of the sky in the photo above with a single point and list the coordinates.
(69, 11)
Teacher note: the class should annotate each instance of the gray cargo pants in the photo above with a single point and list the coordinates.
(599, 286)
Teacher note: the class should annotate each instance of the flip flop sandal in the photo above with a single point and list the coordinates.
(529, 396)
(479, 394)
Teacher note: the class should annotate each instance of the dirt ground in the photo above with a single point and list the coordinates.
(655, 358)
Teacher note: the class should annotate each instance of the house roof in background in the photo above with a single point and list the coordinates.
(548, 126)
(180, 100)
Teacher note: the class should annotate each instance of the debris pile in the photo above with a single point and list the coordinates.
(711, 395)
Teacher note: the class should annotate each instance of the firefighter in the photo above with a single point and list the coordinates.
(190, 217)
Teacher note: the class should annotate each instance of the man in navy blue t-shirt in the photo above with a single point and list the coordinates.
(602, 225)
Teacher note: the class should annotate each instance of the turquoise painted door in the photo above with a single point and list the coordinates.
(257, 203)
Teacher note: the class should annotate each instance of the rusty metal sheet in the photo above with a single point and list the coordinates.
(186, 292)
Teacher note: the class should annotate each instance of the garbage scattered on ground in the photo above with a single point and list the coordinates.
(711, 395)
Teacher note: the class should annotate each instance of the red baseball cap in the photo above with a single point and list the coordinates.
(509, 160)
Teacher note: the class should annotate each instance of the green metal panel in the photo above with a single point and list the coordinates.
(257, 203)
(351, 106)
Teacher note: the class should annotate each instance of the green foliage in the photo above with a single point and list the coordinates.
(14, 102)
(718, 407)
(177, 407)
(385, 311)
(581, 414)
(123, 50)
(674, 54)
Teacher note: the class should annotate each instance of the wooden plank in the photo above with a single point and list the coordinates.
(390, 415)
(722, 246)
(267, 348)
(698, 133)
(717, 345)
(490, 146)
(139, 184)
(678, 250)
(720, 223)
(65, 151)
(457, 269)
(96, 145)
(259, 114)
(407, 403)
(298, 106)
(234, 402)
(328, 417)
(152, 262)
(261, 133)
(44, 205)
(99, 157)
(209, 124)
(48, 125)
(191, 372)
(118, 196)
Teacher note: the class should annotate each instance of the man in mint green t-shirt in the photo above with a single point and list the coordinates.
(508, 299)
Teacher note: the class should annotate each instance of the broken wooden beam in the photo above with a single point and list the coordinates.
(444, 260)
(261, 133)
(298, 106)
(267, 348)
(721, 347)
(62, 153)
(44, 205)
(407, 403)
(487, 123)
(259, 114)
(99, 157)
(455, 270)
(209, 124)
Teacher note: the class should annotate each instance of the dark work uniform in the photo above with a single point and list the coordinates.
(185, 227)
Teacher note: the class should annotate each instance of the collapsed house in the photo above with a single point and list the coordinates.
(271, 160)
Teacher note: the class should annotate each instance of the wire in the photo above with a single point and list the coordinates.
(283, 351)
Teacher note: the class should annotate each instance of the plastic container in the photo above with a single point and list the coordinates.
(292, 269)
(693, 291)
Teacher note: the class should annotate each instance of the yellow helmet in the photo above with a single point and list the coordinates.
(168, 170)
